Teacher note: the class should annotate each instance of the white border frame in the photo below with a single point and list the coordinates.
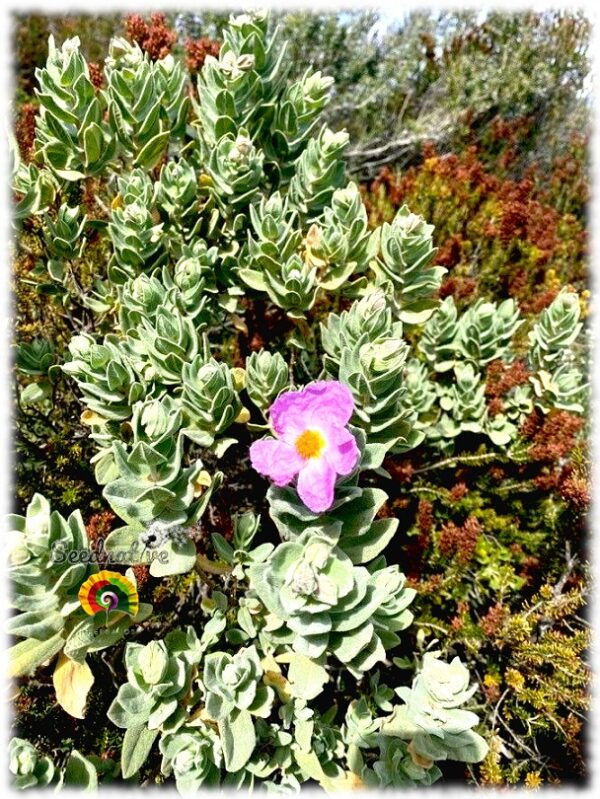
(51, 7)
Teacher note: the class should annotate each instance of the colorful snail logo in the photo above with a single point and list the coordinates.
(109, 591)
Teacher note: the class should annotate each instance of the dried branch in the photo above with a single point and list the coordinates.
(571, 561)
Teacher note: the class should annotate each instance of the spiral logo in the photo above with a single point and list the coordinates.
(107, 599)
(108, 591)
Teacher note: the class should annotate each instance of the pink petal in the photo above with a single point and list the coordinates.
(342, 451)
(276, 460)
(324, 402)
(316, 483)
(332, 403)
(287, 411)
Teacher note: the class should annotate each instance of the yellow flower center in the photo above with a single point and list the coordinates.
(310, 444)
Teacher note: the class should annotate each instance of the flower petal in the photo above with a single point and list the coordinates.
(276, 459)
(342, 451)
(286, 413)
(324, 402)
(316, 483)
(331, 403)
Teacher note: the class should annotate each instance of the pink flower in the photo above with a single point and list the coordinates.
(312, 442)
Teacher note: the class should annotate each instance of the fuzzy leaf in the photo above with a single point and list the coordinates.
(137, 743)
(307, 678)
(238, 739)
(223, 547)
(80, 772)
(36, 392)
(151, 153)
(27, 655)
(180, 560)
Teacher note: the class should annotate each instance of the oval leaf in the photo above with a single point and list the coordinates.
(72, 683)
(27, 655)
(137, 743)
(238, 739)
(80, 772)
